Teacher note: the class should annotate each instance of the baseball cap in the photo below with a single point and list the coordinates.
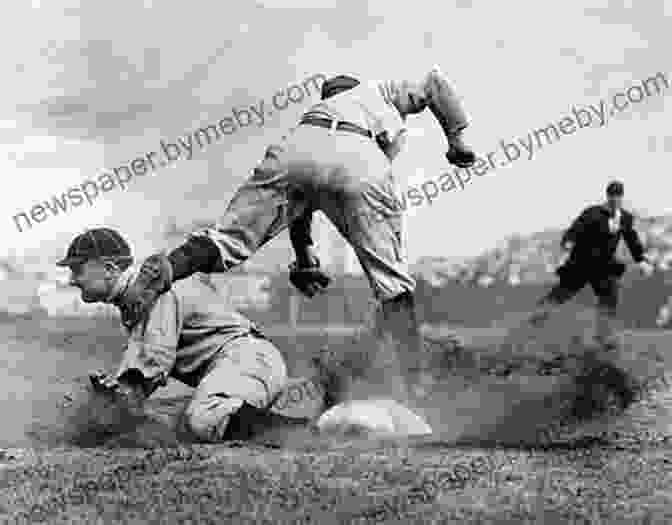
(94, 244)
(336, 85)
(615, 189)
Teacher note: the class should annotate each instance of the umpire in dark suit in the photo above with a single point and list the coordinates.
(590, 247)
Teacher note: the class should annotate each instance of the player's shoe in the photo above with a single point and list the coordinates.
(460, 155)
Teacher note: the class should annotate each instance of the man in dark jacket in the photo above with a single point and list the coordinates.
(590, 247)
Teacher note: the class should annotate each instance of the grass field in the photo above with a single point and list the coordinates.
(497, 454)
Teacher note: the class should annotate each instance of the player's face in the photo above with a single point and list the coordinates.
(94, 280)
(615, 202)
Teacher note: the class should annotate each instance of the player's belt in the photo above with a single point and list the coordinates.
(339, 125)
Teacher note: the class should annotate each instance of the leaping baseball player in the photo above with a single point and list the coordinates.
(589, 258)
(190, 334)
(337, 160)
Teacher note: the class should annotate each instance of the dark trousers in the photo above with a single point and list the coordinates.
(604, 279)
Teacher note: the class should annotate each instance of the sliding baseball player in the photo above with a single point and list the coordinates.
(190, 334)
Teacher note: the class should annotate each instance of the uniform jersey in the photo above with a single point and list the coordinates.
(184, 330)
(369, 105)
(345, 175)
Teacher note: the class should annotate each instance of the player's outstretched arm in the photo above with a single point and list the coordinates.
(158, 272)
(447, 108)
(444, 103)
(127, 389)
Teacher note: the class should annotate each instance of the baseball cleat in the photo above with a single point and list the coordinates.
(461, 156)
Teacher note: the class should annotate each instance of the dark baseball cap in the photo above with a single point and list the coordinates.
(615, 189)
(336, 85)
(98, 243)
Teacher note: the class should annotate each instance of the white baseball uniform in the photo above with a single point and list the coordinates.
(341, 172)
(192, 335)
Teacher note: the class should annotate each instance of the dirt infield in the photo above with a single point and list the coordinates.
(501, 448)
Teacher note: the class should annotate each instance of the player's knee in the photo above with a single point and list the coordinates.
(208, 419)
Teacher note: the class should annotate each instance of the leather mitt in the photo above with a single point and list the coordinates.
(154, 278)
(310, 280)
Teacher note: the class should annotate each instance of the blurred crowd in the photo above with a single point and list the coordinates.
(30, 285)
(533, 259)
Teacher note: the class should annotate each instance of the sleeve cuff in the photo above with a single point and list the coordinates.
(152, 361)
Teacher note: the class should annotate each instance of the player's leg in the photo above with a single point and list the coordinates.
(260, 209)
(607, 290)
(571, 280)
(231, 400)
(368, 215)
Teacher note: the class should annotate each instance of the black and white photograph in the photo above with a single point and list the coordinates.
(336, 262)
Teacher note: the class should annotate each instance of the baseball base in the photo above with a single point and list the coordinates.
(379, 417)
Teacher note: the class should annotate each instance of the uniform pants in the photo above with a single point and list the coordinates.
(605, 284)
(573, 278)
(342, 174)
(248, 369)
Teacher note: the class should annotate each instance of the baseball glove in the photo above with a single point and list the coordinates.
(309, 280)
(132, 390)
(154, 278)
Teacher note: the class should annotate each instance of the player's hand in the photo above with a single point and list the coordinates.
(117, 391)
(646, 268)
(153, 279)
(309, 280)
(102, 382)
